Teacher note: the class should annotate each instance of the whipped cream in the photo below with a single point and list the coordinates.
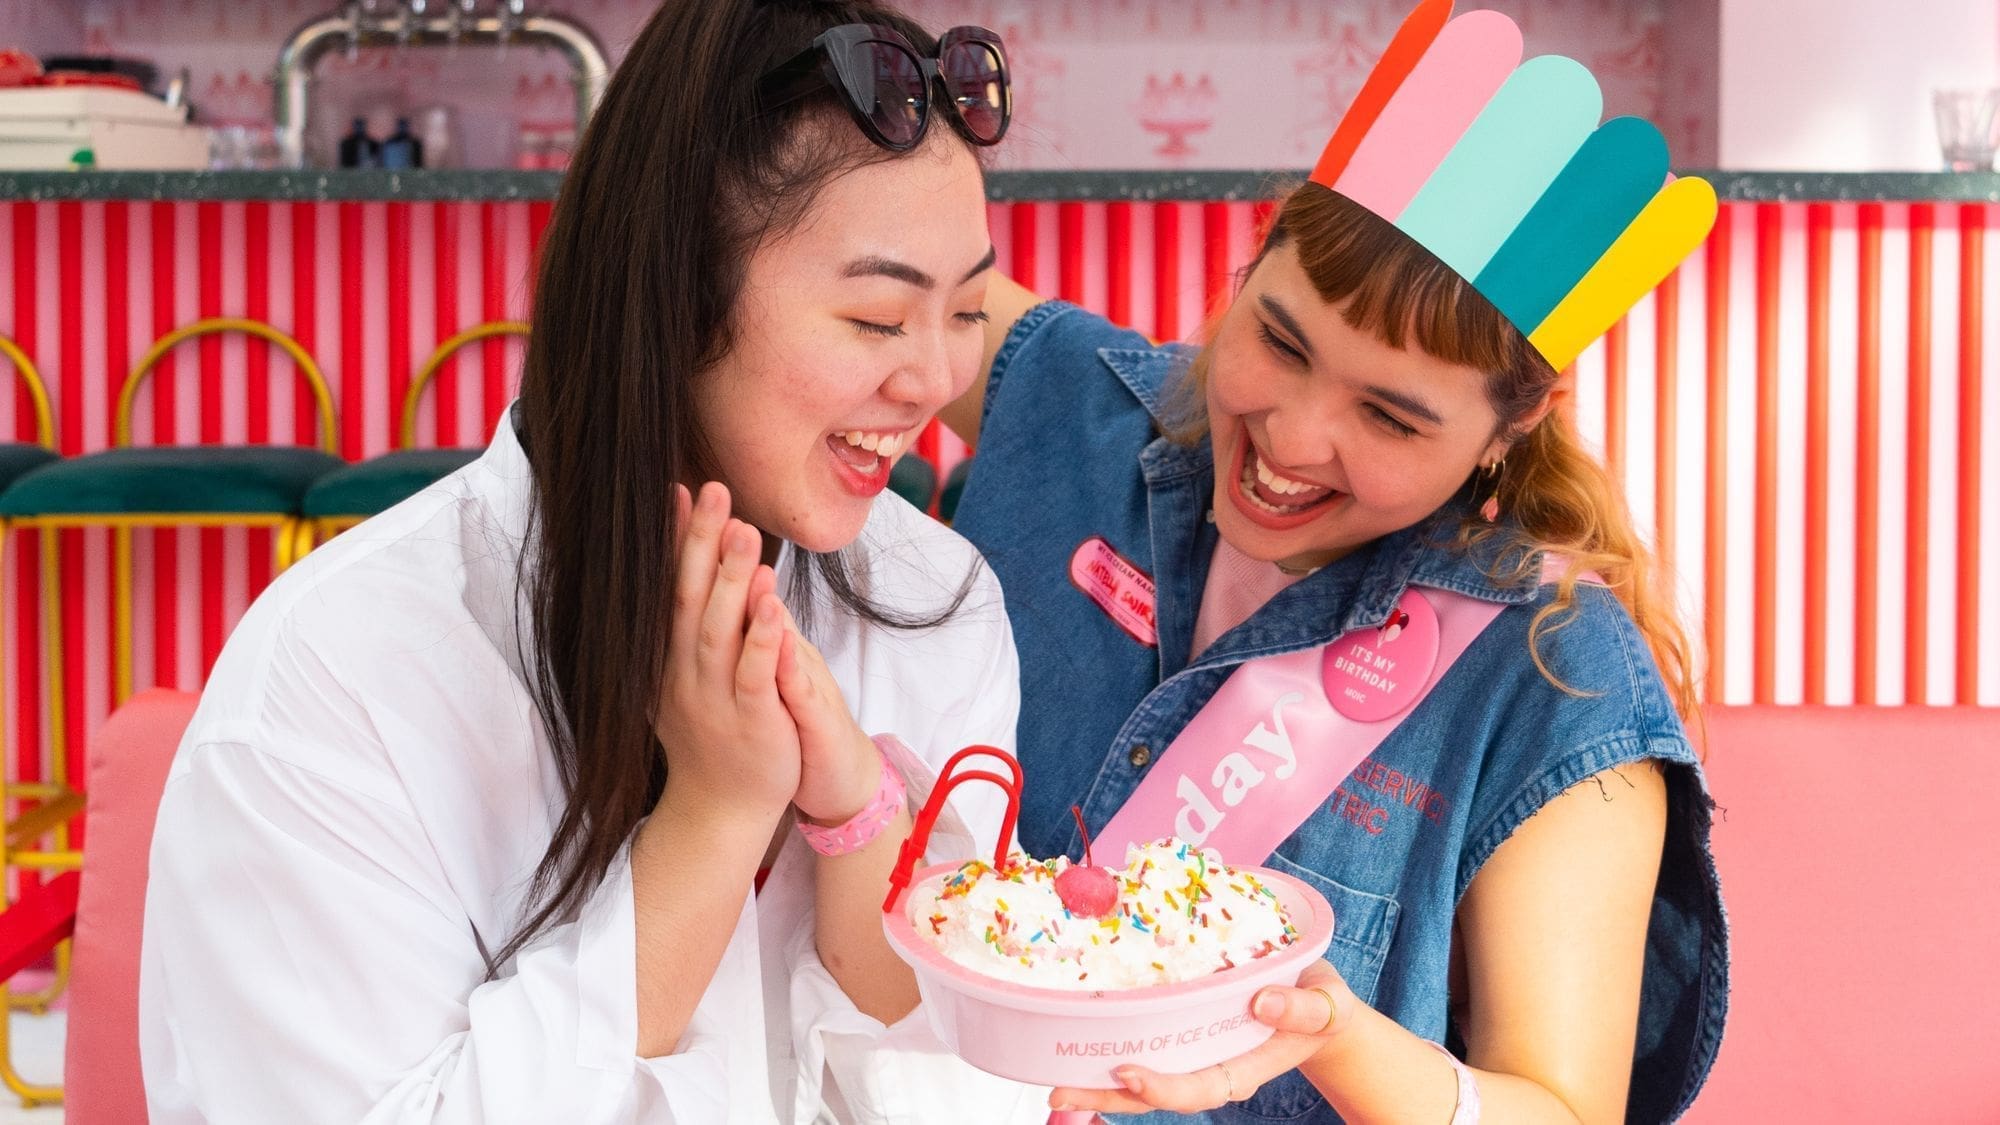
(1181, 914)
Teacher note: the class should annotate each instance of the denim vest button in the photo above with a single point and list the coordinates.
(1140, 756)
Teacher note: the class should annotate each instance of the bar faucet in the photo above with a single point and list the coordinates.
(413, 11)
(421, 23)
(457, 12)
(355, 10)
(512, 12)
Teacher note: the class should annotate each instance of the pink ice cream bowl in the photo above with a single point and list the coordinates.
(1065, 1037)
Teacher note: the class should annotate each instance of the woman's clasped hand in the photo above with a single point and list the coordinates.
(749, 717)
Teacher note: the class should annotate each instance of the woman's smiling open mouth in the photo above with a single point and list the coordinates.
(1272, 500)
(862, 459)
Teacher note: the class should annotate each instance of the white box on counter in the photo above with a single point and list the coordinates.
(43, 127)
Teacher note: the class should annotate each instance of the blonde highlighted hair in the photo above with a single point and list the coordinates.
(1559, 499)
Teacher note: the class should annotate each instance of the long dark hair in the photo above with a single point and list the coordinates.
(677, 181)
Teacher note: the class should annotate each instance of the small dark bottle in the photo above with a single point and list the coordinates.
(358, 149)
(402, 149)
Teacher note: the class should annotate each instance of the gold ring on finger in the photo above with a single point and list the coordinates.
(1331, 1008)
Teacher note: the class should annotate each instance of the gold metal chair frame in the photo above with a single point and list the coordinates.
(318, 531)
(60, 802)
(56, 803)
(284, 525)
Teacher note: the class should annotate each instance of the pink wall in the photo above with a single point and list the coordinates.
(1862, 933)
(1845, 85)
(1102, 83)
(39, 26)
(1690, 83)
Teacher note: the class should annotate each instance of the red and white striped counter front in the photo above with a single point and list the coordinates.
(1800, 413)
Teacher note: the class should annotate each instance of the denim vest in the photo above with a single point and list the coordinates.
(1069, 449)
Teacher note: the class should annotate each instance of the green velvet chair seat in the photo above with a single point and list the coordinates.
(914, 480)
(17, 457)
(171, 480)
(381, 483)
(954, 488)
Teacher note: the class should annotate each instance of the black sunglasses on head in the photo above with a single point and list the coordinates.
(886, 85)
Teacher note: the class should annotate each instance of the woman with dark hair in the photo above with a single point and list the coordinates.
(1354, 518)
(467, 824)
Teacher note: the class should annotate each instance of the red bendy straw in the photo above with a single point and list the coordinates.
(920, 832)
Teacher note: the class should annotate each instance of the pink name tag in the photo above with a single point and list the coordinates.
(1119, 588)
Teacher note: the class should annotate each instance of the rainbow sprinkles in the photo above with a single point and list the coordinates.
(1180, 914)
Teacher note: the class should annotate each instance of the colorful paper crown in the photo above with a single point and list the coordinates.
(1500, 168)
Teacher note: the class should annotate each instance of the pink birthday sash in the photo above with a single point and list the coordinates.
(1283, 732)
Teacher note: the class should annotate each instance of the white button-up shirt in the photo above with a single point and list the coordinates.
(353, 816)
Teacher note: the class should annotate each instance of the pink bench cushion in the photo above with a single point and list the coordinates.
(1859, 861)
(128, 765)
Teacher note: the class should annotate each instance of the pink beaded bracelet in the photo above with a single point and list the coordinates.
(861, 829)
(1466, 1112)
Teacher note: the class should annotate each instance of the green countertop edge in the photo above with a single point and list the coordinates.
(1137, 186)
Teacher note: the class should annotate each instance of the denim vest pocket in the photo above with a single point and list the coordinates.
(1364, 925)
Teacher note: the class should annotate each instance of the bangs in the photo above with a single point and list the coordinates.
(1395, 290)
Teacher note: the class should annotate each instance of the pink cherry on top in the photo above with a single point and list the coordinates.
(1086, 891)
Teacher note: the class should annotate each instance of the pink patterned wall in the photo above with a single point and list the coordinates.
(1101, 83)
(1690, 85)
(40, 26)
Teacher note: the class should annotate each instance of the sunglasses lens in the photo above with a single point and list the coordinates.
(892, 96)
(974, 74)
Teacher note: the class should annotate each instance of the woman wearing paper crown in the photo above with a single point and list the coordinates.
(1340, 594)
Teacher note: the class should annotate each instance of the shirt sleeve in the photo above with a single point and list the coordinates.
(303, 962)
(901, 1073)
(1038, 375)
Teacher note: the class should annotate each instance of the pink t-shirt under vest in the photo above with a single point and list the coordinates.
(1237, 586)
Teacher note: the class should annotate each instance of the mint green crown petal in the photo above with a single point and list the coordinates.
(1506, 160)
(1591, 202)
